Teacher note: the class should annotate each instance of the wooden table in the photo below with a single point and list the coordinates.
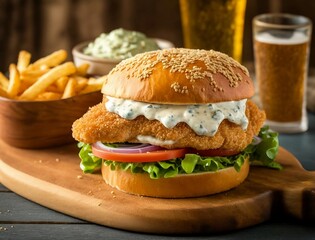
(23, 219)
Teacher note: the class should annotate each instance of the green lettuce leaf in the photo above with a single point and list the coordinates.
(263, 154)
(89, 162)
(266, 151)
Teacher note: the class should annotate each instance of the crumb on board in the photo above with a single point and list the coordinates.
(113, 193)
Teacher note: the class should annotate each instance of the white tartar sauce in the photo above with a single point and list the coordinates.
(204, 119)
(153, 140)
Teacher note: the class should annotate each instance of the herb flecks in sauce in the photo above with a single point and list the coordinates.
(120, 44)
(204, 119)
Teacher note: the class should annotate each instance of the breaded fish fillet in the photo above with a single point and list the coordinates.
(100, 125)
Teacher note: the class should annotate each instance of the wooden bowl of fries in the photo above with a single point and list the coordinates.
(42, 124)
(39, 101)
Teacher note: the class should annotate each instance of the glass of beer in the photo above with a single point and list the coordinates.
(214, 24)
(281, 50)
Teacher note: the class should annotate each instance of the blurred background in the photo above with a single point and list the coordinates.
(43, 26)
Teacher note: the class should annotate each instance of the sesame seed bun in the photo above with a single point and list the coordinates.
(197, 76)
(174, 76)
(181, 186)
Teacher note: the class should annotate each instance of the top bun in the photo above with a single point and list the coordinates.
(179, 76)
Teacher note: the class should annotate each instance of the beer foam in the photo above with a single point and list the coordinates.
(294, 38)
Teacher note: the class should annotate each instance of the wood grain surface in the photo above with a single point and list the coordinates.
(42, 124)
(52, 177)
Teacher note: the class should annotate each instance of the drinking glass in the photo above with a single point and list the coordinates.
(214, 24)
(281, 50)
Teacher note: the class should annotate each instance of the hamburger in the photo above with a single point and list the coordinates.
(175, 123)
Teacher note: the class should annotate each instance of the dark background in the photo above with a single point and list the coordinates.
(43, 26)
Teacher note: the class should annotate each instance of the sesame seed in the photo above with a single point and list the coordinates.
(195, 65)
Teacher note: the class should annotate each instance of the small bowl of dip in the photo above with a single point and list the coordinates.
(108, 49)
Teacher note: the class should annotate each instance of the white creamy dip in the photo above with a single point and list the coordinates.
(279, 37)
(204, 119)
(153, 140)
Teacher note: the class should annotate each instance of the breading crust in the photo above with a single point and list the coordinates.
(100, 125)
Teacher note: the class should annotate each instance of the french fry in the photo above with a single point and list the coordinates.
(70, 89)
(48, 96)
(81, 82)
(4, 82)
(24, 85)
(33, 73)
(27, 82)
(3, 93)
(47, 79)
(94, 84)
(91, 87)
(82, 69)
(44, 67)
(24, 59)
(61, 83)
(14, 82)
(98, 81)
(30, 77)
(51, 60)
(53, 88)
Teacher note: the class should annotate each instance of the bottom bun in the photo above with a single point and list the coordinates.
(181, 186)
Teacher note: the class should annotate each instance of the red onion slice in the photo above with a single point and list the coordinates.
(256, 140)
(128, 148)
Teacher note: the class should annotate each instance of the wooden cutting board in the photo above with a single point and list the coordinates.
(52, 178)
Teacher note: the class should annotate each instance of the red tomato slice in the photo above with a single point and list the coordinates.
(139, 157)
(215, 152)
